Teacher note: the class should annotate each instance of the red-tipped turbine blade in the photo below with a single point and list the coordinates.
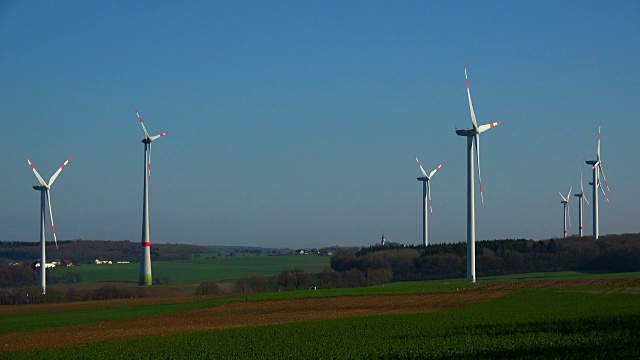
(55, 176)
(473, 114)
(53, 227)
(598, 153)
(429, 197)
(604, 178)
(158, 136)
(435, 170)
(420, 165)
(141, 123)
(477, 140)
(40, 179)
(149, 164)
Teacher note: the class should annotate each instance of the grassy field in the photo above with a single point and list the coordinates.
(529, 323)
(208, 268)
(562, 275)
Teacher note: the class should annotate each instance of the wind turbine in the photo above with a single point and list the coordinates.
(426, 194)
(597, 170)
(145, 256)
(44, 188)
(473, 136)
(565, 203)
(581, 197)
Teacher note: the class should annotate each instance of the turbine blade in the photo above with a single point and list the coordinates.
(429, 197)
(569, 194)
(477, 140)
(562, 196)
(485, 127)
(582, 188)
(568, 213)
(603, 193)
(141, 123)
(473, 114)
(55, 176)
(420, 165)
(149, 164)
(53, 227)
(158, 136)
(40, 179)
(605, 179)
(598, 153)
(435, 170)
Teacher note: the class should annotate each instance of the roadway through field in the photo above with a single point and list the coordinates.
(243, 313)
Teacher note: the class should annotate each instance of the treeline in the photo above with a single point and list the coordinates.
(379, 264)
(25, 275)
(87, 251)
(298, 279)
(33, 295)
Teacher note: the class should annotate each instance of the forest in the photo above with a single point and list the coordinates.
(379, 264)
(87, 251)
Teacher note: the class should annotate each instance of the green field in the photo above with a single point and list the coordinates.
(208, 268)
(562, 275)
(590, 323)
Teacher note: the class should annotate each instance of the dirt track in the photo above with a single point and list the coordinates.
(254, 313)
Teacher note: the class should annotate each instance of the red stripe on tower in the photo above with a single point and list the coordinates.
(146, 244)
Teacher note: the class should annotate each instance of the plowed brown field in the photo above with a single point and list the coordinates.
(255, 313)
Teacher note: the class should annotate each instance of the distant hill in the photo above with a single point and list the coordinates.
(376, 264)
(87, 251)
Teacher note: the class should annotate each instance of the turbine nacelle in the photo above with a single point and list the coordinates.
(466, 132)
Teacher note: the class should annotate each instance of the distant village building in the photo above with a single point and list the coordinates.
(67, 263)
(46, 265)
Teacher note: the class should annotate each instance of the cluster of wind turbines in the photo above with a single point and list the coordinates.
(596, 167)
(473, 137)
(45, 187)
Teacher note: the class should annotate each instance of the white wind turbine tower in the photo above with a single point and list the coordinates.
(597, 170)
(581, 197)
(426, 194)
(45, 193)
(473, 135)
(565, 203)
(145, 256)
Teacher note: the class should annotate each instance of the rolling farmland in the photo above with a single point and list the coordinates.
(209, 268)
(591, 318)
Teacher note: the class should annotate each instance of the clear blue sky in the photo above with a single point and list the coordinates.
(294, 123)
